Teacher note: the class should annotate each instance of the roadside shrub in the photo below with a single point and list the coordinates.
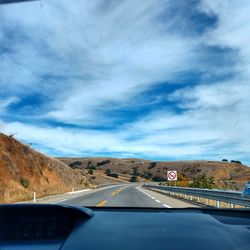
(12, 135)
(152, 165)
(133, 178)
(148, 175)
(108, 171)
(90, 171)
(25, 182)
(202, 181)
(115, 175)
(238, 162)
(91, 167)
(182, 181)
(75, 164)
(101, 163)
(135, 172)
(158, 179)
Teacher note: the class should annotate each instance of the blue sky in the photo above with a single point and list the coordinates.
(162, 80)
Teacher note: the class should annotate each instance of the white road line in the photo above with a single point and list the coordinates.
(165, 205)
(63, 200)
(78, 191)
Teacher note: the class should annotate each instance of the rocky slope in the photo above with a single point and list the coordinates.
(24, 171)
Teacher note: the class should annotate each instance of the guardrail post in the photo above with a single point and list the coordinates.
(34, 197)
(206, 201)
(218, 204)
(198, 199)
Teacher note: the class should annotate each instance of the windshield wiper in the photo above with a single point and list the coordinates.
(15, 1)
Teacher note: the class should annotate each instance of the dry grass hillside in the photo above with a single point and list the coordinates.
(24, 171)
(226, 174)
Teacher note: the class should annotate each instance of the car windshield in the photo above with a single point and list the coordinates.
(125, 103)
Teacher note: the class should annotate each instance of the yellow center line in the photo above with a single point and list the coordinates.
(102, 203)
(118, 191)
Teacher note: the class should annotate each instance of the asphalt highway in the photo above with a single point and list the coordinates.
(127, 195)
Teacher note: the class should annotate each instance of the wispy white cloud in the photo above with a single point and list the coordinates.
(232, 30)
(82, 142)
(114, 52)
(4, 103)
(87, 58)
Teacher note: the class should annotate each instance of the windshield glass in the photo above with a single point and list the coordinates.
(125, 103)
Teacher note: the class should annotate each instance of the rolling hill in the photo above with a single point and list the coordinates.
(226, 174)
(24, 171)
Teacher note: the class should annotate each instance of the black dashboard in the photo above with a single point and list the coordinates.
(27, 226)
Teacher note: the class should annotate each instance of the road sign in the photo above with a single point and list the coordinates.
(172, 175)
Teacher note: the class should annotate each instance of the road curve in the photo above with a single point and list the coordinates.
(127, 195)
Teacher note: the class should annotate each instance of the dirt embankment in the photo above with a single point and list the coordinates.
(24, 171)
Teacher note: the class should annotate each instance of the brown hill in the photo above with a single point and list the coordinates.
(24, 171)
(226, 174)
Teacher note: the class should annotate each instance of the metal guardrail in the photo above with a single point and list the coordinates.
(230, 197)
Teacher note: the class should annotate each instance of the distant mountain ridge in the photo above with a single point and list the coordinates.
(24, 171)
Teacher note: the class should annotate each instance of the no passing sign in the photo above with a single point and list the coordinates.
(172, 175)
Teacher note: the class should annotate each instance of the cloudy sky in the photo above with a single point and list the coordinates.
(156, 79)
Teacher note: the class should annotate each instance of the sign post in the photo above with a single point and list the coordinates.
(172, 176)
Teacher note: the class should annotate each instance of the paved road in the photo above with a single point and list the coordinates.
(123, 196)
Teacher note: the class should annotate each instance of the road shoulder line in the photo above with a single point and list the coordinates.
(153, 198)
